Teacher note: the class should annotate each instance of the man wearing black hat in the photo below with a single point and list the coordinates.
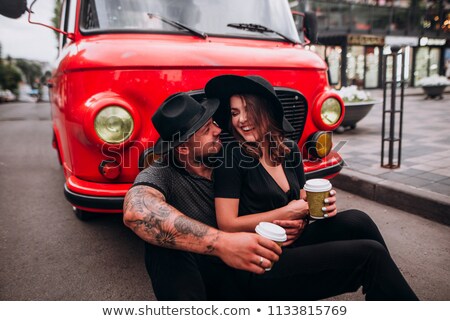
(170, 206)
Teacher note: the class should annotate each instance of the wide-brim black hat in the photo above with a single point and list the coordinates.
(178, 118)
(225, 86)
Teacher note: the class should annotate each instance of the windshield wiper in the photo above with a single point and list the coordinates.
(178, 25)
(259, 28)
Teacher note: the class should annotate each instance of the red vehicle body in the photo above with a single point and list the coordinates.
(137, 69)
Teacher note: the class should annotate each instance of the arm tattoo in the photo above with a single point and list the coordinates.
(152, 214)
(210, 248)
(133, 201)
(186, 226)
(166, 239)
(160, 224)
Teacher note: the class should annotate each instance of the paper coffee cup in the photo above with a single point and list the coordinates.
(317, 190)
(272, 232)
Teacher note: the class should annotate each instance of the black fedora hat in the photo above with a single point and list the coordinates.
(225, 86)
(178, 118)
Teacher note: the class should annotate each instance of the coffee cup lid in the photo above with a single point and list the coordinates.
(317, 185)
(271, 231)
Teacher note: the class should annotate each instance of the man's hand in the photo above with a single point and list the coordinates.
(330, 205)
(294, 229)
(298, 209)
(244, 251)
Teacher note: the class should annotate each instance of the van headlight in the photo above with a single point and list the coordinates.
(319, 144)
(331, 111)
(114, 124)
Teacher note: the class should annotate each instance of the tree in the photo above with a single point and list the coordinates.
(56, 20)
(31, 71)
(10, 76)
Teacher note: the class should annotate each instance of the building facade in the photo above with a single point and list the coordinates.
(354, 35)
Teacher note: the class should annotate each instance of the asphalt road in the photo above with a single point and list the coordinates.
(46, 253)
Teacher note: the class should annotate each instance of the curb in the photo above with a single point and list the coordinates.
(422, 93)
(409, 93)
(427, 204)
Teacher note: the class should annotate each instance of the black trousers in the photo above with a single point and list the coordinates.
(331, 257)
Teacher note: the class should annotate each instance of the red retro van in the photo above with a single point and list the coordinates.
(120, 59)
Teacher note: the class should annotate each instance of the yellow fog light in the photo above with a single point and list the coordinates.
(319, 144)
(331, 111)
(113, 124)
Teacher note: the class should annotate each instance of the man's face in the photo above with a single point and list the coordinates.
(205, 142)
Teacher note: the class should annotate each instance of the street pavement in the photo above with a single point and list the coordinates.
(421, 185)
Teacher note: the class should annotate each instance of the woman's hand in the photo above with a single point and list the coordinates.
(294, 229)
(330, 205)
(297, 209)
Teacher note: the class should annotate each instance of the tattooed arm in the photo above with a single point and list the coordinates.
(152, 219)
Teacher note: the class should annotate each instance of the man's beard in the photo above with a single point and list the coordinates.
(211, 160)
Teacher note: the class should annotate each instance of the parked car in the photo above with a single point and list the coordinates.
(6, 96)
(119, 60)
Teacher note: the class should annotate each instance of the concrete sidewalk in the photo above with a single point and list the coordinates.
(422, 183)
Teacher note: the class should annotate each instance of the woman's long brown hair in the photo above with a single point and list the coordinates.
(261, 116)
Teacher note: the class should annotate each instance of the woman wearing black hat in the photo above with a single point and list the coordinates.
(261, 178)
(255, 117)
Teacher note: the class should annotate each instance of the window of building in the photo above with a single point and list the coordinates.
(333, 59)
(372, 67)
(427, 62)
(355, 66)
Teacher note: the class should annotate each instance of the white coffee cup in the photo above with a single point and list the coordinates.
(272, 232)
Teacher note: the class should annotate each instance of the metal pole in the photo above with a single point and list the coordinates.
(393, 101)
(402, 94)
(344, 64)
(384, 84)
(390, 138)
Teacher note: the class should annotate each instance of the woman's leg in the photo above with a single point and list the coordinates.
(323, 270)
(346, 225)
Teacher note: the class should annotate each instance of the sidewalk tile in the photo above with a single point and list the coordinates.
(439, 188)
(415, 181)
(442, 171)
(445, 181)
(443, 163)
(432, 176)
(423, 167)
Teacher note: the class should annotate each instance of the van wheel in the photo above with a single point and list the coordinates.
(83, 215)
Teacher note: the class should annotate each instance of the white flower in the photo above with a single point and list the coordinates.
(352, 94)
(434, 80)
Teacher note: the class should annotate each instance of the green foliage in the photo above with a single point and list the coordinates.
(31, 70)
(56, 20)
(10, 77)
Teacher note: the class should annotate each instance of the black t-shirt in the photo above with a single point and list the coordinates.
(191, 194)
(245, 178)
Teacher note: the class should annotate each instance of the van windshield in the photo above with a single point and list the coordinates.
(208, 16)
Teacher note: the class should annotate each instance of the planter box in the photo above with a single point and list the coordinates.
(434, 91)
(354, 112)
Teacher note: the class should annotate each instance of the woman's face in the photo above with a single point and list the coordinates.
(240, 121)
